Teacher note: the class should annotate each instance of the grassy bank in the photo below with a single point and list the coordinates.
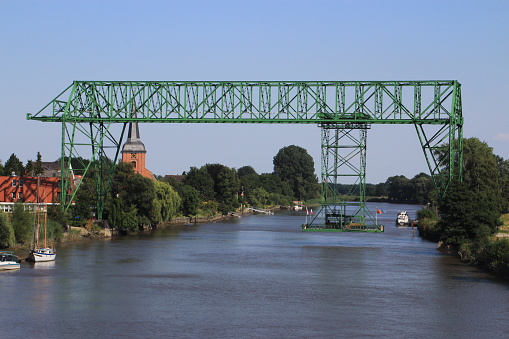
(505, 226)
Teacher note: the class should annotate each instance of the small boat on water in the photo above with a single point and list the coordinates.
(42, 254)
(45, 252)
(8, 261)
(297, 205)
(402, 219)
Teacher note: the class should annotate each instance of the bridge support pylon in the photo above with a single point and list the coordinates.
(343, 161)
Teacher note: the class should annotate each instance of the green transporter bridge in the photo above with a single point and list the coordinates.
(95, 116)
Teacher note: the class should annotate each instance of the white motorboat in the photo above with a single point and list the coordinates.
(402, 219)
(8, 261)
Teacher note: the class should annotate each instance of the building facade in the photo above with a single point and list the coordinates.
(134, 152)
(28, 190)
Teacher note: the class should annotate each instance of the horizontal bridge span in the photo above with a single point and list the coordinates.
(318, 102)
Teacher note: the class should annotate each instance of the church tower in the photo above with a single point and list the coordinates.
(134, 151)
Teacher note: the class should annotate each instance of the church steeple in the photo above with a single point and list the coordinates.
(134, 151)
(133, 143)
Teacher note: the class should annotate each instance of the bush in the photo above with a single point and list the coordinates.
(23, 224)
(428, 229)
(496, 257)
(6, 232)
(73, 235)
(492, 255)
(426, 213)
(428, 224)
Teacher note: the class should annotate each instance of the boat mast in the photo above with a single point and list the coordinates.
(38, 217)
(45, 215)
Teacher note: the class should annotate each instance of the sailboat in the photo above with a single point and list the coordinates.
(38, 253)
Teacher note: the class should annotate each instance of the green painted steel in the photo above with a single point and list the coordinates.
(343, 159)
(88, 110)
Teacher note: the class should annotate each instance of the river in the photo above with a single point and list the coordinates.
(258, 276)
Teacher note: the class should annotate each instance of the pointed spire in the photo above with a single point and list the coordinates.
(134, 131)
(133, 143)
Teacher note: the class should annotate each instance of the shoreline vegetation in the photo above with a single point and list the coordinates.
(89, 232)
(490, 255)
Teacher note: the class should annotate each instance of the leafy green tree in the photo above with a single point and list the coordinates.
(133, 189)
(399, 188)
(248, 183)
(7, 238)
(471, 209)
(294, 165)
(56, 214)
(2, 169)
(480, 170)
(38, 169)
(370, 190)
(22, 223)
(259, 197)
(54, 231)
(124, 219)
(246, 170)
(421, 186)
(129, 193)
(85, 200)
(503, 170)
(228, 187)
(167, 202)
(14, 165)
(190, 201)
(115, 213)
(466, 215)
(249, 180)
(202, 181)
(129, 220)
(177, 185)
(273, 183)
(29, 168)
(34, 168)
(381, 190)
(279, 199)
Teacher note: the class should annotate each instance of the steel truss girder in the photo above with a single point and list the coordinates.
(87, 110)
(379, 102)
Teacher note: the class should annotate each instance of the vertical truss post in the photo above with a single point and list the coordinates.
(443, 144)
(343, 159)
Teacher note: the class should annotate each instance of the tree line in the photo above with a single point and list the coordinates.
(133, 200)
(14, 165)
(396, 189)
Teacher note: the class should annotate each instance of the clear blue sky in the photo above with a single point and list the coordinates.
(45, 45)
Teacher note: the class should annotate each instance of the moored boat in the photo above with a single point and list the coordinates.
(42, 254)
(402, 219)
(45, 252)
(8, 261)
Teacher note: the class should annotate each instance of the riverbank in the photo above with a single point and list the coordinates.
(77, 234)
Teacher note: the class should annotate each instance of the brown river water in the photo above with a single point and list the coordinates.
(258, 276)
